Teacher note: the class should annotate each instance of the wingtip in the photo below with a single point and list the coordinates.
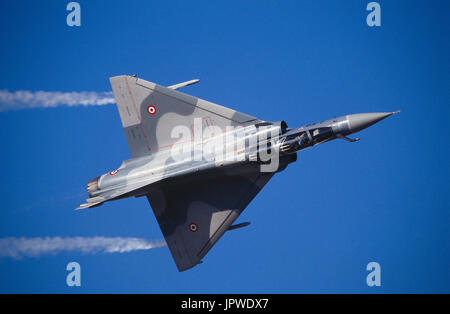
(82, 206)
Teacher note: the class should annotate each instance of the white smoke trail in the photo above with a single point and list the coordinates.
(26, 99)
(32, 247)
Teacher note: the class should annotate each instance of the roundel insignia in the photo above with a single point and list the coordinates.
(113, 172)
(151, 110)
(193, 227)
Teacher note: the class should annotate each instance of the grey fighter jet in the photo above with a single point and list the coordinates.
(200, 164)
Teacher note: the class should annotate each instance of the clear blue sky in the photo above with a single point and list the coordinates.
(316, 225)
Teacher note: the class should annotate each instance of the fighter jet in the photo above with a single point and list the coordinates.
(200, 164)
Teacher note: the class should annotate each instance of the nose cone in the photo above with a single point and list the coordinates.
(360, 121)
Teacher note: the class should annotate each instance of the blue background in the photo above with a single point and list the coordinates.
(316, 225)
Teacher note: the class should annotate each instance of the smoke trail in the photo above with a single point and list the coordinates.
(40, 99)
(32, 247)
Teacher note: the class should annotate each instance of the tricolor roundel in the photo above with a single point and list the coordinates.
(151, 110)
(193, 227)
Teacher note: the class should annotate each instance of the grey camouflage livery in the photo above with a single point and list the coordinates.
(196, 200)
